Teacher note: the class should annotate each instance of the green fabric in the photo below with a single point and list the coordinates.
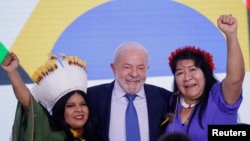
(3, 52)
(36, 128)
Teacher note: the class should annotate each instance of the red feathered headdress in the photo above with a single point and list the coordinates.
(206, 55)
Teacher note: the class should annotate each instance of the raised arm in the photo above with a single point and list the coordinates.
(235, 71)
(22, 93)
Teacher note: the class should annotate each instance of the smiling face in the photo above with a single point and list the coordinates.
(130, 69)
(190, 79)
(76, 111)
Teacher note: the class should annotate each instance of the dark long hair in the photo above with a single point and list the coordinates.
(204, 64)
(57, 120)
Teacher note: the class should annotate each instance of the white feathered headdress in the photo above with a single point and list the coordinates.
(57, 77)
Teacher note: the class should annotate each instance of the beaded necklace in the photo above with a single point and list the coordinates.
(77, 134)
(186, 105)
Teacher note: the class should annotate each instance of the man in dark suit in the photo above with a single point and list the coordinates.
(108, 104)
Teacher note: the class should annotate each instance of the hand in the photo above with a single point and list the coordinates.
(11, 62)
(227, 24)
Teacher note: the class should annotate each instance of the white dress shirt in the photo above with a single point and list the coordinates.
(117, 128)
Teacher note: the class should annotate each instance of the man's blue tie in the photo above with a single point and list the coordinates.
(132, 125)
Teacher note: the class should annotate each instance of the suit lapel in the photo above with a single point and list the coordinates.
(151, 108)
(106, 107)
